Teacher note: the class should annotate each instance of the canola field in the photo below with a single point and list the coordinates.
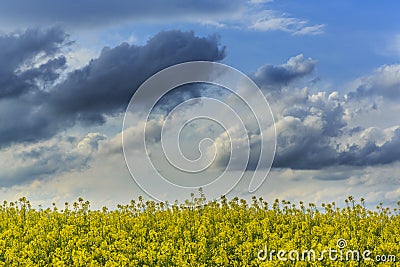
(224, 232)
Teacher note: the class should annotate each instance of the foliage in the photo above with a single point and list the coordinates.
(194, 233)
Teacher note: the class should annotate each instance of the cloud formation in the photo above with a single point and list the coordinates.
(271, 21)
(35, 107)
(19, 50)
(270, 77)
(24, 82)
(313, 129)
(384, 81)
(314, 133)
(256, 16)
(376, 147)
(261, 19)
(48, 159)
(107, 83)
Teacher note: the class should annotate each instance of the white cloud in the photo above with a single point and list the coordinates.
(311, 30)
(26, 163)
(254, 17)
(79, 57)
(274, 24)
(90, 142)
(270, 20)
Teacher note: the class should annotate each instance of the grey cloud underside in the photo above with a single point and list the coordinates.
(384, 81)
(33, 107)
(315, 152)
(52, 157)
(272, 77)
(373, 154)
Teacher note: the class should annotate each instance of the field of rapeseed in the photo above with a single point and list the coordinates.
(227, 232)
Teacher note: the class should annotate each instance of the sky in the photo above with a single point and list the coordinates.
(330, 71)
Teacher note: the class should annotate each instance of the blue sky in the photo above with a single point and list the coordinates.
(330, 70)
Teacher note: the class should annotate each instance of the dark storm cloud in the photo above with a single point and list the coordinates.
(273, 77)
(100, 12)
(21, 48)
(33, 107)
(46, 72)
(107, 83)
(23, 83)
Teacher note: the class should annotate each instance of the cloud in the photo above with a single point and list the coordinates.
(50, 158)
(311, 30)
(106, 84)
(313, 127)
(79, 58)
(234, 14)
(275, 24)
(31, 111)
(374, 149)
(384, 81)
(315, 130)
(255, 16)
(272, 77)
(306, 127)
(96, 13)
(269, 20)
(18, 52)
(90, 142)
(319, 130)
(24, 82)
(313, 133)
